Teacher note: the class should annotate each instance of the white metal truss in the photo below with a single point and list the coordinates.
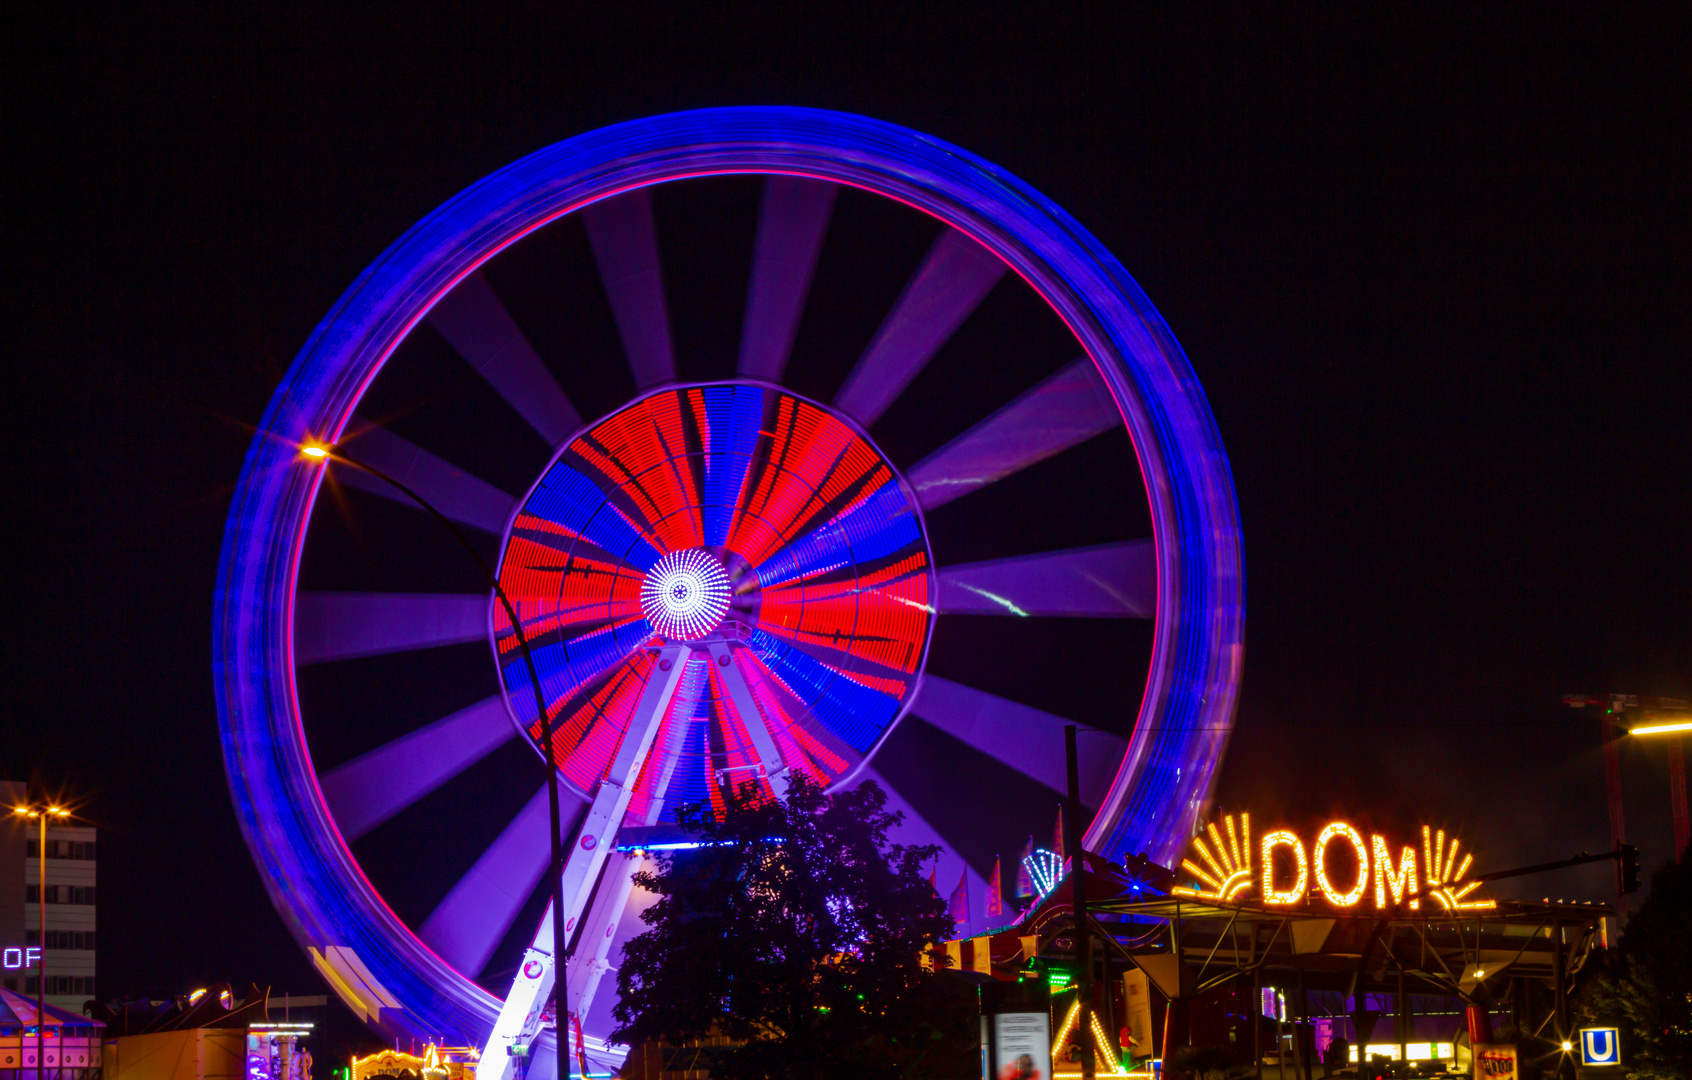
(592, 857)
(519, 1019)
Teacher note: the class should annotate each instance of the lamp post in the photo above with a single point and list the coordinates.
(41, 813)
(319, 451)
(1672, 724)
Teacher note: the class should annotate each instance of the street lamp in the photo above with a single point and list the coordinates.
(320, 451)
(41, 813)
(1672, 723)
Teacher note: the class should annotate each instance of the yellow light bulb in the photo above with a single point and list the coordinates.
(314, 451)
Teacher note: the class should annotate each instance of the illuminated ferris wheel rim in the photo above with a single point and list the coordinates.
(1192, 683)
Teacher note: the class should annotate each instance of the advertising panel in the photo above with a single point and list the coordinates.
(1496, 1061)
(1136, 1000)
(1022, 1046)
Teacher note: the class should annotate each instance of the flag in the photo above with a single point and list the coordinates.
(932, 884)
(1057, 836)
(958, 906)
(995, 893)
(1024, 880)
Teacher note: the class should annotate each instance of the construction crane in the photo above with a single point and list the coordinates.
(1629, 715)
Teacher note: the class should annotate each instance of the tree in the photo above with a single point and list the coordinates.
(797, 929)
(1644, 986)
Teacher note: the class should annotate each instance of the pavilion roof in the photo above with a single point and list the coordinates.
(16, 1009)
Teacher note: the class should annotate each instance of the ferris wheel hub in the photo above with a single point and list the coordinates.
(686, 594)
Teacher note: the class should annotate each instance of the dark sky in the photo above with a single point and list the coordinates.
(1432, 275)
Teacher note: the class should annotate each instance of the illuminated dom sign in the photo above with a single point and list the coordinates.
(1338, 866)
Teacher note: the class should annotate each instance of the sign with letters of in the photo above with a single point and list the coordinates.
(1600, 1046)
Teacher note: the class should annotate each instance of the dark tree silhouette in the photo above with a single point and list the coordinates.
(797, 930)
(1644, 986)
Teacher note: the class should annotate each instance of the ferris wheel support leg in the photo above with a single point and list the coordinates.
(591, 960)
(518, 1024)
(769, 757)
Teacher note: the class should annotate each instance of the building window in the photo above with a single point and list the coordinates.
(70, 984)
(60, 894)
(63, 849)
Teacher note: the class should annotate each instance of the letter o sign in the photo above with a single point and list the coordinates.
(1333, 832)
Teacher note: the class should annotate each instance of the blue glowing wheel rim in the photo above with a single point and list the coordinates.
(381, 966)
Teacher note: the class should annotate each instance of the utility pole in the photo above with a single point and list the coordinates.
(1078, 897)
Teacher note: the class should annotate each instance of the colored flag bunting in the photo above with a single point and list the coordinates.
(1024, 880)
(958, 906)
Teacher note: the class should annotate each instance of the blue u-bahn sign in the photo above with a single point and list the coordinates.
(1600, 1046)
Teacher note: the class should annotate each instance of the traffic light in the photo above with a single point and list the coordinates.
(1627, 869)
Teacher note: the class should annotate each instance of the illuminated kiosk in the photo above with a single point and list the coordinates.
(618, 554)
(1337, 931)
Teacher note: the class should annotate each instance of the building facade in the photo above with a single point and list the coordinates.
(70, 947)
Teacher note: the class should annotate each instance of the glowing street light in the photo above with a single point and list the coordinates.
(1673, 723)
(41, 814)
(1663, 728)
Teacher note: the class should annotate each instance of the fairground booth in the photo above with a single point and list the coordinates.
(51, 1044)
(1298, 952)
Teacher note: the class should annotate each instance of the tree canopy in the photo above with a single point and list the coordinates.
(1644, 987)
(797, 929)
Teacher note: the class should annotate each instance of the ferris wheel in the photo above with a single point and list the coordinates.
(801, 551)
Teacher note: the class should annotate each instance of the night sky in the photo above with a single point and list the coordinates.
(1432, 276)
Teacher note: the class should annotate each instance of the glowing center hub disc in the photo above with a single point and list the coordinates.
(686, 594)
